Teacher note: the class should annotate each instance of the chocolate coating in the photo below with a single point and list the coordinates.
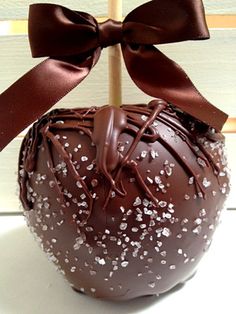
(123, 201)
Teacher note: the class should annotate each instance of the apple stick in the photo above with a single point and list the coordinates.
(114, 55)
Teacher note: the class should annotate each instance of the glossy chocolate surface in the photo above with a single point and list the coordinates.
(123, 201)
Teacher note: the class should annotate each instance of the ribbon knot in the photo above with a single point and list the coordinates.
(73, 41)
(110, 33)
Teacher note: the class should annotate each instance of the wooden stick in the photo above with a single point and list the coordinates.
(114, 55)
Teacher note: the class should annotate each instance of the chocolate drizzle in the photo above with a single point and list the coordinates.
(104, 127)
(109, 123)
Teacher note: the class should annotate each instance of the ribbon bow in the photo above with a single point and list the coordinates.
(73, 41)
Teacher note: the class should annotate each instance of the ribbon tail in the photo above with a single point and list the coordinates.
(37, 91)
(159, 76)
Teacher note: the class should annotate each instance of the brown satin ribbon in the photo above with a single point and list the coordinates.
(73, 41)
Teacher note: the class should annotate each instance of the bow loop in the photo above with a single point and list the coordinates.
(170, 21)
(56, 31)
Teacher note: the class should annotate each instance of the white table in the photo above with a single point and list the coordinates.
(29, 284)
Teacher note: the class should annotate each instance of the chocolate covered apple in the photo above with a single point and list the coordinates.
(123, 200)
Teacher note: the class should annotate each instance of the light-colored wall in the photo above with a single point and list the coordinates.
(18, 9)
(211, 65)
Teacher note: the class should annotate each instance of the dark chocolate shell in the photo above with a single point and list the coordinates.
(123, 201)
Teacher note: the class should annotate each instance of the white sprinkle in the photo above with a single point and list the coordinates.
(166, 232)
(166, 215)
(54, 240)
(202, 212)
(172, 267)
(197, 230)
(144, 118)
(122, 209)
(44, 227)
(155, 123)
(137, 201)
(180, 251)
(143, 154)
(79, 241)
(123, 226)
(101, 261)
(152, 284)
(79, 185)
(157, 180)
(124, 263)
(66, 144)
(186, 197)
(168, 170)
(134, 229)
(83, 196)
(73, 269)
(200, 194)
(191, 180)
(154, 154)
(149, 180)
(201, 162)
(206, 183)
(93, 290)
(211, 227)
(121, 148)
(152, 223)
(198, 221)
(162, 204)
(89, 229)
(90, 167)
(223, 190)
(84, 158)
(52, 184)
(148, 212)
(127, 239)
(222, 174)
(163, 253)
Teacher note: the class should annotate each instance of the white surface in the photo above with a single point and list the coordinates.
(30, 285)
